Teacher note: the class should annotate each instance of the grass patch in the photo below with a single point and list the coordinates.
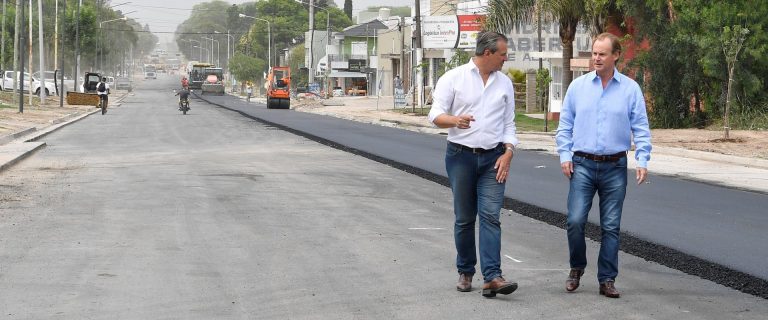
(525, 123)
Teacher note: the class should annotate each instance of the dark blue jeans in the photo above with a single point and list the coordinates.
(476, 193)
(609, 181)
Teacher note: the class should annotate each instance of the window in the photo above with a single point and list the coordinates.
(557, 83)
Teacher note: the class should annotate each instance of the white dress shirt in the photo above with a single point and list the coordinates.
(461, 91)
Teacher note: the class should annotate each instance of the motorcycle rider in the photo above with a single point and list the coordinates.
(183, 96)
(185, 83)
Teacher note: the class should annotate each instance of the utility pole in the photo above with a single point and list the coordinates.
(20, 75)
(61, 58)
(310, 66)
(41, 52)
(2, 46)
(418, 53)
(31, 56)
(77, 45)
(16, 36)
(402, 50)
(56, 36)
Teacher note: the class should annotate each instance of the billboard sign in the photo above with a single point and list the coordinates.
(448, 32)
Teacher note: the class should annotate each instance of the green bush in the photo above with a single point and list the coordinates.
(517, 76)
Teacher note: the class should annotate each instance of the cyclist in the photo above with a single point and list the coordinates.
(183, 96)
(102, 89)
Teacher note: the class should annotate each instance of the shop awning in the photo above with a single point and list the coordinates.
(346, 74)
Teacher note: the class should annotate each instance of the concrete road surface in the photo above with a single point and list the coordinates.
(148, 214)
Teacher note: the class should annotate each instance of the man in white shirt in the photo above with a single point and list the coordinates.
(477, 103)
(102, 89)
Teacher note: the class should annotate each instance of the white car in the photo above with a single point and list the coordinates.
(9, 79)
(68, 83)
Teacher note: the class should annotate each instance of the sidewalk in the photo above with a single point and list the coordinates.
(19, 133)
(709, 167)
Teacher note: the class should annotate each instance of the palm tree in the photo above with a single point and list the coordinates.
(504, 14)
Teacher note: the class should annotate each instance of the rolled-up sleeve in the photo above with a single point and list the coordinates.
(641, 132)
(442, 97)
(510, 130)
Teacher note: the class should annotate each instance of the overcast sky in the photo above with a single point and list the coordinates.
(164, 16)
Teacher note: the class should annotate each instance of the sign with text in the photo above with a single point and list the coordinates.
(448, 32)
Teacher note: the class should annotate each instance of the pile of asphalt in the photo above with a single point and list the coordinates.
(630, 244)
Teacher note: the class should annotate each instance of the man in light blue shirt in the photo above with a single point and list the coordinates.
(602, 112)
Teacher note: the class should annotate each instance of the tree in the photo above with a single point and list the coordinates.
(348, 8)
(504, 14)
(247, 68)
(733, 41)
(339, 19)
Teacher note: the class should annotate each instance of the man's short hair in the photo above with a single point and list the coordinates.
(488, 40)
(615, 42)
(104, 79)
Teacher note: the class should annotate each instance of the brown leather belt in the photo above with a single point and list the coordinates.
(474, 150)
(601, 158)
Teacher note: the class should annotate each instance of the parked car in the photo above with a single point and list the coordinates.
(49, 77)
(9, 79)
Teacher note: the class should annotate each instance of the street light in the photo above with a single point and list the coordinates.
(269, 36)
(218, 52)
(233, 44)
(199, 56)
(101, 56)
(207, 52)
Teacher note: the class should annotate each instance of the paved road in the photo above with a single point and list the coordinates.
(147, 214)
(718, 224)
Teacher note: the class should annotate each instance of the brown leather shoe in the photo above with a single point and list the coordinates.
(607, 289)
(572, 283)
(465, 282)
(498, 285)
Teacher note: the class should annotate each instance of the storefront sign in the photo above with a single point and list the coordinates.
(448, 32)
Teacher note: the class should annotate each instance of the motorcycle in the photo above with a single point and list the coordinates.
(184, 105)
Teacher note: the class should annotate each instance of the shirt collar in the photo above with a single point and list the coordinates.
(616, 75)
(472, 65)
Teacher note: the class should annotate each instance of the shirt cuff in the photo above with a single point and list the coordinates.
(642, 163)
(566, 156)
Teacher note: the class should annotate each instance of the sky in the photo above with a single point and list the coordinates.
(166, 15)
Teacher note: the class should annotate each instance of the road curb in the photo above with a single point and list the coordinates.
(51, 129)
(13, 136)
(23, 155)
(630, 243)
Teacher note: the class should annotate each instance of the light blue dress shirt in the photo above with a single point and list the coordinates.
(604, 121)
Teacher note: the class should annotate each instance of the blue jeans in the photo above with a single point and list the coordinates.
(609, 180)
(476, 193)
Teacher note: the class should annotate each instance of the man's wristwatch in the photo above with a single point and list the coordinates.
(511, 149)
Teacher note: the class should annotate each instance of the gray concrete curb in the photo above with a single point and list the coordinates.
(24, 154)
(13, 136)
(32, 135)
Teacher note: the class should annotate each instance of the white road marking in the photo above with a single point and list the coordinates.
(513, 259)
(426, 229)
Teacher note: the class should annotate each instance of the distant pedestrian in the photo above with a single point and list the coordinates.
(398, 82)
(248, 92)
(601, 114)
(477, 103)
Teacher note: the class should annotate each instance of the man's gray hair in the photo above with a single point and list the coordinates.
(488, 40)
